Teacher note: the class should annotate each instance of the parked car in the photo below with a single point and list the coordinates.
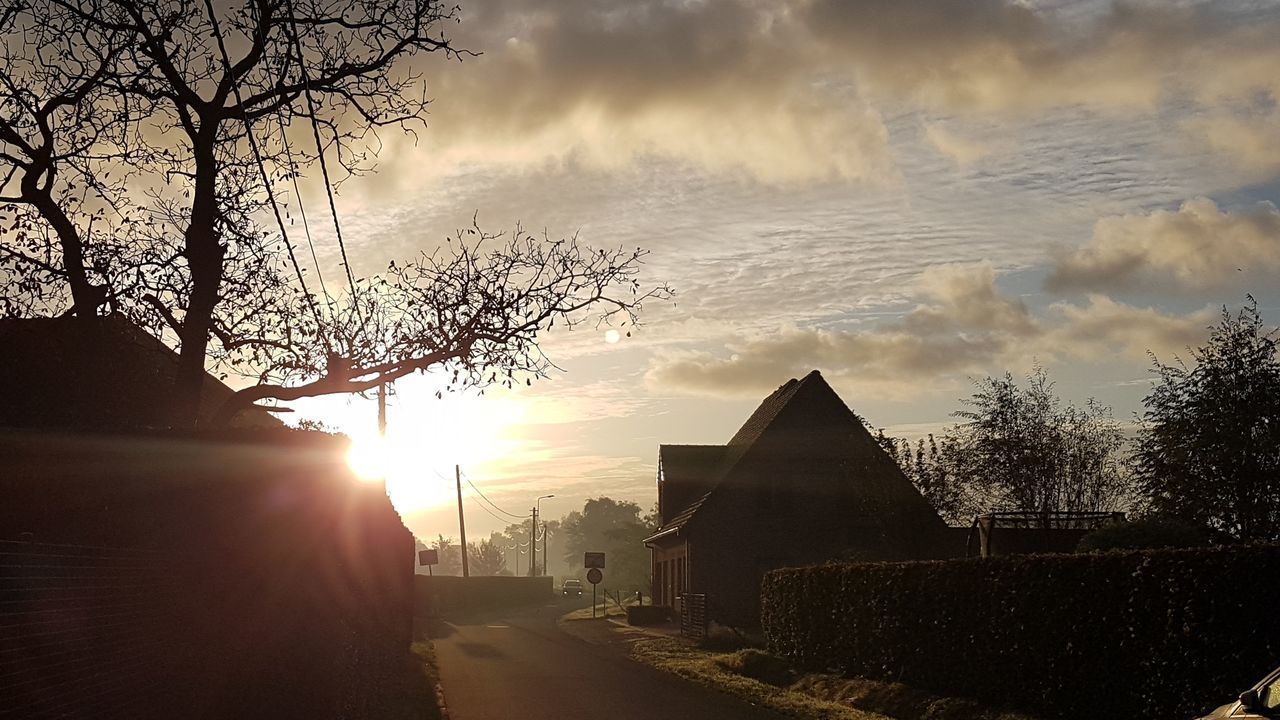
(1260, 701)
(571, 587)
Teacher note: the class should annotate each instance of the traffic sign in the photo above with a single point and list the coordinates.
(593, 560)
(594, 576)
(428, 557)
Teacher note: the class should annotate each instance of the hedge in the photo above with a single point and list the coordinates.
(1160, 633)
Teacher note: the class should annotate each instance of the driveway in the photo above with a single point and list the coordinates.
(522, 666)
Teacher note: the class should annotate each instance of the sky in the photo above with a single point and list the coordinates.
(904, 195)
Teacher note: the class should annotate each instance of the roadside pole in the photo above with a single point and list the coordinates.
(462, 522)
(533, 544)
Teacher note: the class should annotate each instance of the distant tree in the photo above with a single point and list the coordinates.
(1019, 448)
(615, 528)
(450, 557)
(486, 558)
(1209, 445)
(932, 471)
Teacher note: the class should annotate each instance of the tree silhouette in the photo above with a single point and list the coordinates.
(208, 110)
(1209, 446)
(486, 558)
(1019, 448)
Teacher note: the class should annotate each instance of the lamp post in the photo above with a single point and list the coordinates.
(533, 538)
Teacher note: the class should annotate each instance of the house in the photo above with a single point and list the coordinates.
(802, 482)
(96, 374)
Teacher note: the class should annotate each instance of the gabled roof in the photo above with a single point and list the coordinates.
(738, 445)
(101, 373)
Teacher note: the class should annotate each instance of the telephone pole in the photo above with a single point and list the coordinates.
(462, 521)
(533, 544)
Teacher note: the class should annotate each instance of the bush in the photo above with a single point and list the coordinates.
(1159, 633)
(1145, 534)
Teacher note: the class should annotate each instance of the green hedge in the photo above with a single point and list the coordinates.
(1161, 633)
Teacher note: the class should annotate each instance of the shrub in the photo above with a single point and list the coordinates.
(1158, 633)
(1144, 534)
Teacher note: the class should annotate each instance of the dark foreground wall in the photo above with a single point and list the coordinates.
(1157, 634)
(445, 594)
(201, 577)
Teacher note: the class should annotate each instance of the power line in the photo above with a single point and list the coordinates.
(495, 505)
(324, 166)
(262, 169)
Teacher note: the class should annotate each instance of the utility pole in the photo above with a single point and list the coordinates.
(382, 409)
(544, 548)
(462, 521)
(533, 544)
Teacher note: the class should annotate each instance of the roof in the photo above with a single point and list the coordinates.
(730, 454)
(100, 373)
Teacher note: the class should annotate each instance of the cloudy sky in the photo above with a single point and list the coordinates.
(904, 195)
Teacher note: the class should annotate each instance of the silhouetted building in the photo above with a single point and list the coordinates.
(802, 482)
(91, 374)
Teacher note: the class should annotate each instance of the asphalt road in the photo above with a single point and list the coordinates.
(522, 666)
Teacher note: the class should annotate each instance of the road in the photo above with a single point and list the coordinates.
(522, 666)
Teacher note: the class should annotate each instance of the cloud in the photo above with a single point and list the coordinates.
(963, 325)
(794, 90)
(963, 151)
(1197, 246)
(1250, 142)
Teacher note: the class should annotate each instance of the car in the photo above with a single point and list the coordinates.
(1260, 701)
(571, 587)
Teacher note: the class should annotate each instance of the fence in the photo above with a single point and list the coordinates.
(86, 632)
(693, 615)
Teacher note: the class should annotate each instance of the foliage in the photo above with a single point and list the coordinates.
(1019, 448)
(1143, 534)
(617, 529)
(1209, 450)
(934, 475)
(449, 555)
(1158, 633)
(486, 558)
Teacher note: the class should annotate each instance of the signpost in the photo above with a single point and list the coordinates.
(594, 562)
(429, 558)
(594, 576)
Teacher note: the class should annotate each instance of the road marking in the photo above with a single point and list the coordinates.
(500, 627)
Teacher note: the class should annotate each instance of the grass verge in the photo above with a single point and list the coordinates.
(757, 677)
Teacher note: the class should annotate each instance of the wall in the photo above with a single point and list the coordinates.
(450, 594)
(288, 581)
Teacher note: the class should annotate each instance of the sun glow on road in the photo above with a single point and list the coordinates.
(426, 437)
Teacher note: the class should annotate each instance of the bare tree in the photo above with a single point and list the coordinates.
(234, 100)
(67, 145)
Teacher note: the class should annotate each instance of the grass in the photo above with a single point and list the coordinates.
(760, 678)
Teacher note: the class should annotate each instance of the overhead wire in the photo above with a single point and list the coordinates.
(262, 169)
(492, 503)
(324, 166)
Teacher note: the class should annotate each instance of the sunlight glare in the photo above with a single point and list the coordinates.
(426, 437)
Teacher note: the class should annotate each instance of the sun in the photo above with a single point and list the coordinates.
(427, 438)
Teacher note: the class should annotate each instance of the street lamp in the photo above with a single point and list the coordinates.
(533, 539)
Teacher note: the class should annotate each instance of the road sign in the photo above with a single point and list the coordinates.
(593, 560)
(594, 576)
(428, 557)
